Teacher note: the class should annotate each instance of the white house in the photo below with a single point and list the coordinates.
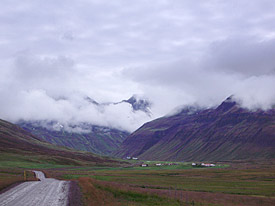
(207, 165)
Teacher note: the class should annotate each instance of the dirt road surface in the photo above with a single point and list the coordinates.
(46, 192)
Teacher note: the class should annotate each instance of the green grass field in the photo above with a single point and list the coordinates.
(8, 160)
(178, 184)
(242, 182)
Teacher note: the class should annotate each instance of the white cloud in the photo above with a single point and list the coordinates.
(53, 53)
(241, 67)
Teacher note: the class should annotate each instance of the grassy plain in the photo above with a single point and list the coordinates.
(179, 184)
(240, 184)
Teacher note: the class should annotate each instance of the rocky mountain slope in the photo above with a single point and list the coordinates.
(17, 143)
(227, 132)
(139, 104)
(95, 139)
(85, 136)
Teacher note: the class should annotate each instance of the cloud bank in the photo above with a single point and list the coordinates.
(54, 54)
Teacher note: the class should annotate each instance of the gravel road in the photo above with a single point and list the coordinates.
(46, 192)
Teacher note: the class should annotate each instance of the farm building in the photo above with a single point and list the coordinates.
(207, 165)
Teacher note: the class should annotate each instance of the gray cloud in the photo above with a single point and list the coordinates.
(243, 67)
(248, 56)
(54, 53)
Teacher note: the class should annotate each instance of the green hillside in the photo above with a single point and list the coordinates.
(228, 132)
(99, 140)
(18, 146)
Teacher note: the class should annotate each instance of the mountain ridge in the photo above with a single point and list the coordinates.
(102, 140)
(227, 132)
(91, 138)
(17, 142)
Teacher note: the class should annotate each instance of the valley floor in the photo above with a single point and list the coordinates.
(242, 183)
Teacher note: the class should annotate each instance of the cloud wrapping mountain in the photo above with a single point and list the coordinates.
(54, 54)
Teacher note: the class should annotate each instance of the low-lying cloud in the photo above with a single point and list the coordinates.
(37, 105)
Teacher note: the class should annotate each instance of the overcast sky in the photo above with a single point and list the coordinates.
(173, 52)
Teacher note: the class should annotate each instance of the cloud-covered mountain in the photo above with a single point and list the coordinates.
(84, 137)
(227, 132)
(87, 136)
(25, 147)
(77, 110)
(172, 52)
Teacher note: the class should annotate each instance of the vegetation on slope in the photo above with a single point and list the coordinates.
(99, 140)
(228, 132)
(21, 151)
(18, 145)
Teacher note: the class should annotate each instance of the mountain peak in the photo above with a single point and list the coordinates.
(190, 109)
(225, 133)
(139, 104)
(227, 104)
(231, 98)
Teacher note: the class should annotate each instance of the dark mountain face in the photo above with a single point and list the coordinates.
(227, 105)
(85, 137)
(136, 103)
(17, 141)
(227, 132)
(139, 104)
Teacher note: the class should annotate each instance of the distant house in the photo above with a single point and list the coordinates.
(207, 165)
(194, 164)
(128, 158)
(135, 158)
(144, 165)
(158, 164)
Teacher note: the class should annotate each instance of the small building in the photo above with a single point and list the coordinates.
(135, 158)
(208, 165)
(158, 164)
(194, 164)
(128, 158)
(144, 165)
